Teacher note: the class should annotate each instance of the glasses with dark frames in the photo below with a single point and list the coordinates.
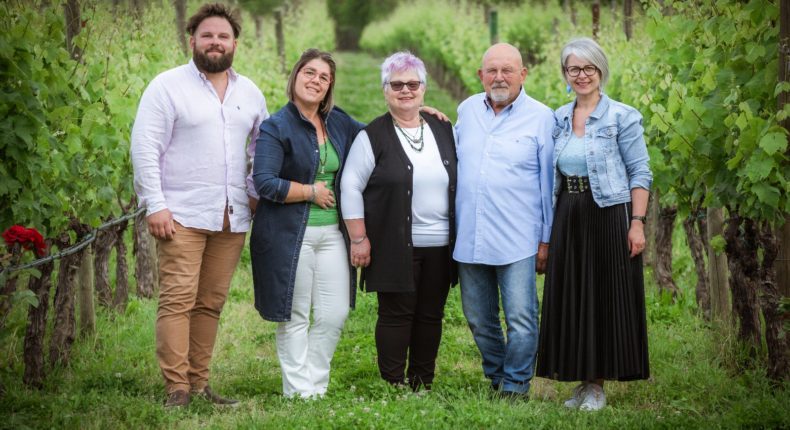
(574, 71)
(398, 85)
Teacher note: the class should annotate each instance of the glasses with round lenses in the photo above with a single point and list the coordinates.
(312, 73)
(411, 85)
(574, 71)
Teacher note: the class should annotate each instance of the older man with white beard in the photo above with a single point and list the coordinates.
(504, 214)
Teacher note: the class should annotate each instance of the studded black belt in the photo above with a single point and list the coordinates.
(576, 184)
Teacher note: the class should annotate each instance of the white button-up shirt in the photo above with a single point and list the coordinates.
(188, 148)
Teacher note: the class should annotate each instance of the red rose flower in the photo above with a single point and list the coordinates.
(29, 238)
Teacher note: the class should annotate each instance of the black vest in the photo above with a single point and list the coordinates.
(388, 214)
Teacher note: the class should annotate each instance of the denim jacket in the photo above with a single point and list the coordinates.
(287, 150)
(615, 149)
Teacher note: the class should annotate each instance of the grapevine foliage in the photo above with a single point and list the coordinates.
(64, 149)
(711, 105)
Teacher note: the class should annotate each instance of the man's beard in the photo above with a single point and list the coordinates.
(206, 64)
(500, 93)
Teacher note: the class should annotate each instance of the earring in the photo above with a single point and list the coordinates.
(568, 90)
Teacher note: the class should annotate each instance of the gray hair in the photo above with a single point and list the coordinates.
(401, 62)
(587, 49)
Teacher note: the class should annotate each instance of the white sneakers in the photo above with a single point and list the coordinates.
(576, 400)
(587, 397)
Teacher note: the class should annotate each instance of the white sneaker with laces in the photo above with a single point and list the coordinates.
(576, 400)
(594, 398)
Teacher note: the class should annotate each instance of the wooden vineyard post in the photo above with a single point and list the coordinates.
(71, 10)
(493, 25)
(782, 263)
(144, 269)
(85, 293)
(596, 18)
(628, 19)
(121, 270)
(258, 27)
(181, 25)
(278, 28)
(720, 304)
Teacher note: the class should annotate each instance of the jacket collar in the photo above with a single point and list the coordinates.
(600, 109)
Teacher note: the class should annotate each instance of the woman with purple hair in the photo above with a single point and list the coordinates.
(398, 198)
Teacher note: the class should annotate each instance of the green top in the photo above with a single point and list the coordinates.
(319, 216)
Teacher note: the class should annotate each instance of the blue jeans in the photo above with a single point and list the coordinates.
(509, 365)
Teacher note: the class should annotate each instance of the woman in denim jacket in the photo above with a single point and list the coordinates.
(593, 324)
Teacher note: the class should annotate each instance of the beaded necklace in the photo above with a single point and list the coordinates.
(416, 143)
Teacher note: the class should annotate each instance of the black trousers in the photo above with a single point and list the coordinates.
(411, 323)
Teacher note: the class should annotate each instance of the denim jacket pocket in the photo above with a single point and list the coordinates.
(607, 136)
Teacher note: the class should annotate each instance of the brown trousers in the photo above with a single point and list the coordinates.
(195, 269)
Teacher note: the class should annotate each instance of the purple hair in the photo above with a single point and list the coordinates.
(402, 62)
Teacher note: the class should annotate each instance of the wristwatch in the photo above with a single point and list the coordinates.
(640, 218)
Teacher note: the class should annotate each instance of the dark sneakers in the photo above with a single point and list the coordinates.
(177, 399)
(215, 398)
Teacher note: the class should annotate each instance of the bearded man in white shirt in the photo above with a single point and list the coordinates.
(190, 150)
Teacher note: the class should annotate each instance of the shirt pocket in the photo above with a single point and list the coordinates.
(517, 153)
(607, 138)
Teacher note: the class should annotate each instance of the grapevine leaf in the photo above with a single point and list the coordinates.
(766, 193)
(774, 142)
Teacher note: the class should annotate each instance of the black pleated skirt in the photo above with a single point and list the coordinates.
(593, 321)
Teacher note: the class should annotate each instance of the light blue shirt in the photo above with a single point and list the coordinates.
(571, 161)
(615, 149)
(505, 180)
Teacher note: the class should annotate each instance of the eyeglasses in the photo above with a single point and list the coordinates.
(311, 74)
(574, 71)
(411, 85)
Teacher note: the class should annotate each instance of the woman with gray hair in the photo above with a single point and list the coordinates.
(398, 197)
(593, 325)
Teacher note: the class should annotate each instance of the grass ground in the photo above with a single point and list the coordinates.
(113, 380)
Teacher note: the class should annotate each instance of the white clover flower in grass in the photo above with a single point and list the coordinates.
(353, 388)
(351, 414)
(366, 409)
(383, 403)
(423, 413)
(331, 413)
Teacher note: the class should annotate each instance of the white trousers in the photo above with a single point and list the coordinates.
(322, 283)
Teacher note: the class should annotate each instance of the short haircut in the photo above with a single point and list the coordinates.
(219, 10)
(401, 62)
(587, 49)
(311, 54)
